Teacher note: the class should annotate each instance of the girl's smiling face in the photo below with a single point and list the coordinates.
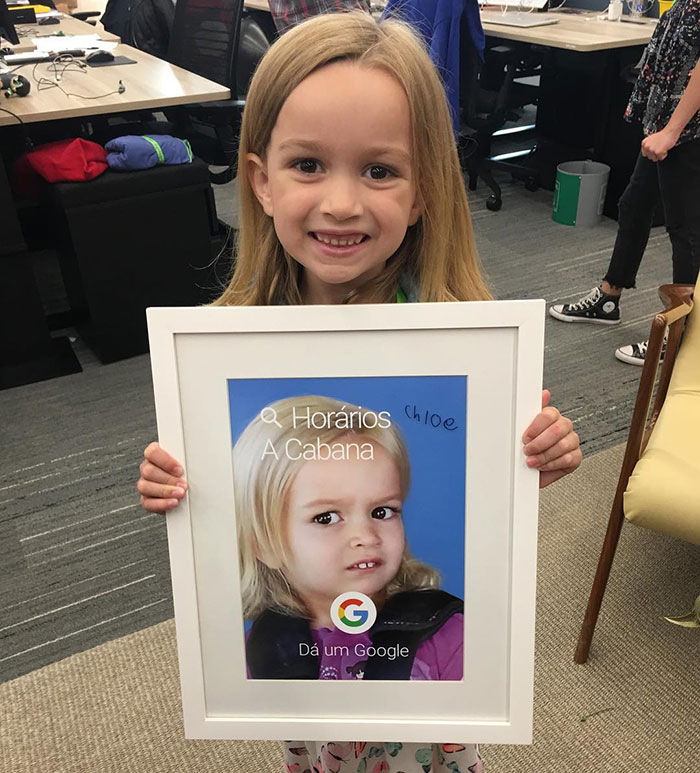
(338, 178)
(343, 530)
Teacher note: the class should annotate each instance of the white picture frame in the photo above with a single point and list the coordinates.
(498, 346)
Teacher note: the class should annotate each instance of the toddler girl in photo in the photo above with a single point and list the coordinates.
(319, 514)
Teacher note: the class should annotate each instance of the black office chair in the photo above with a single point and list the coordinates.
(483, 111)
(485, 105)
(220, 42)
(214, 41)
(148, 26)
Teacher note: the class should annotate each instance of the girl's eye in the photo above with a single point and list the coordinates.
(383, 513)
(378, 172)
(326, 519)
(306, 165)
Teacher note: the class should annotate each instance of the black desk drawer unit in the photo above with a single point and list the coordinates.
(130, 240)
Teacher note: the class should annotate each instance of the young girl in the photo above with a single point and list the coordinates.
(319, 514)
(351, 192)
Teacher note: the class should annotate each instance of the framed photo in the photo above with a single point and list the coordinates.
(355, 558)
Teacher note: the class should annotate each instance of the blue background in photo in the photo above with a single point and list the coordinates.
(434, 509)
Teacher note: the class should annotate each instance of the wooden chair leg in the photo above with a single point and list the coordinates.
(678, 303)
(612, 537)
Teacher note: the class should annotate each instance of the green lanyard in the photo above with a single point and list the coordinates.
(401, 297)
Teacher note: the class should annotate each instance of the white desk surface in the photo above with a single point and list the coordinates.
(151, 83)
(576, 33)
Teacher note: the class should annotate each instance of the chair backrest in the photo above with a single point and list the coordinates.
(149, 25)
(115, 19)
(204, 39)
(661, 493)
(470, 64)
(252, 46)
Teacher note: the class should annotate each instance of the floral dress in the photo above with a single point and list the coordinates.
(439, 658)
(310, 757)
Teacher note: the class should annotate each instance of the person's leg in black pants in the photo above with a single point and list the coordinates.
(679, 181)
(636, 211)
(679, 186)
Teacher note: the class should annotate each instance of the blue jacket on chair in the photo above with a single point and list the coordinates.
(439, 22)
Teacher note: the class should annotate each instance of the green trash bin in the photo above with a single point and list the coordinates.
(579, 192)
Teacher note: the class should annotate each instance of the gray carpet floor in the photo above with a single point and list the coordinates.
(632, 709)
(81, 564)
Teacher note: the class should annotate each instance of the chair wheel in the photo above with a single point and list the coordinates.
(532, 185)
(493, 203)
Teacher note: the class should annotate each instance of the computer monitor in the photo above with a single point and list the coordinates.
(7, 28)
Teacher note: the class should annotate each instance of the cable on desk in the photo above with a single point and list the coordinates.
(28, 144)
(14, 115)
(522, 6)
(506, 6)
(58, 66)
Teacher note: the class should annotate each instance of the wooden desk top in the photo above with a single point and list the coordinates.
(576, 33)
(151, 83)
(67, 24)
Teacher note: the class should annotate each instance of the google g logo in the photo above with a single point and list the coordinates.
(353, 612)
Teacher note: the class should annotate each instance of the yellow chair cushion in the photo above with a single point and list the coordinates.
(663, 492)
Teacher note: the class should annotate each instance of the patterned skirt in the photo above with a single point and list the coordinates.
(359, 757)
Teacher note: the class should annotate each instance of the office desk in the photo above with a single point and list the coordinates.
(257, 5)
(27, 351)
(577, 33)
(583, 94)
(66, 24)
(150, 84)
(574, 33)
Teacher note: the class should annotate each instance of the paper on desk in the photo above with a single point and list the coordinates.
(56, 43)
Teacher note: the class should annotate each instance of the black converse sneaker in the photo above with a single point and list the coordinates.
(635, 354)
(596, 307)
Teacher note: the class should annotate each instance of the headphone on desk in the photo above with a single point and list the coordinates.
(14, 85)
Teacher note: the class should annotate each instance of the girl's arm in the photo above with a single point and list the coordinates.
(550, 444)
(656, 146)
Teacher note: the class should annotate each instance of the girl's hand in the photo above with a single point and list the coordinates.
(655, 147)
(161, 484)
(551, 445)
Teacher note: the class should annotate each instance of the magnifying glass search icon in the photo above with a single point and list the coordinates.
(269, 416)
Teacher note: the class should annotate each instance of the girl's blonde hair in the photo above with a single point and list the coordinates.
(262, 480)
(438, 254)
